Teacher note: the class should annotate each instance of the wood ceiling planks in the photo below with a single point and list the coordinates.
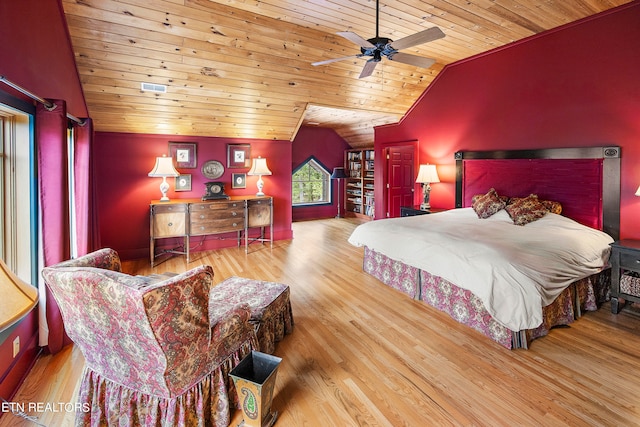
(241, 68)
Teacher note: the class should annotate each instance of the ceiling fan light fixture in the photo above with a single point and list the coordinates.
(377, 47)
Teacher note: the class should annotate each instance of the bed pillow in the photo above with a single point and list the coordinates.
(524, 210)
(505, 199)
(553, 207)
(488, 204)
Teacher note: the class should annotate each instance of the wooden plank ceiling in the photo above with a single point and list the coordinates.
(242, 68)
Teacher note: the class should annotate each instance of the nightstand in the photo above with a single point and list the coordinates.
(415, 210)
(625, 256)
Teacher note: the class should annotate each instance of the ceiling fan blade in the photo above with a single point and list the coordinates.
(417, 61)
(369, 66)
(329, 61)
(428, 35)
(353, 37)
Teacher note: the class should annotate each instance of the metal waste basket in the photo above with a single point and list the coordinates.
(255, 378)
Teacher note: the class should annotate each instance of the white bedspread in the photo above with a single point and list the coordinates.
(515, 270)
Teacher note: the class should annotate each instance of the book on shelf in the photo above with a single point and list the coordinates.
(370, 210)
(354, 156)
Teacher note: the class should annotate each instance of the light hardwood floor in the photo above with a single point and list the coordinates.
(362, 354)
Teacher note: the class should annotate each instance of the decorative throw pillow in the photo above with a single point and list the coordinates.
(505, 199)
(553, 207)
(488, 204)
(525, 210)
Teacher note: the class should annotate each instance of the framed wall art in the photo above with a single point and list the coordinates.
(238, 180)
(184, 154)
(183, 182)
(238, 155)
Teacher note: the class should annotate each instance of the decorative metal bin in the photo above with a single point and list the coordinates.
(255, 379)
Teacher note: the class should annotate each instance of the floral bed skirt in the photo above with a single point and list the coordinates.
(103, 402)
(463, 306)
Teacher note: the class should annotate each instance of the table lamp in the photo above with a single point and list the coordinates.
(426, 175)
(259, 167)
(164, 168)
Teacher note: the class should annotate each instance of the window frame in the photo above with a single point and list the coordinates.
(20, 233)
(11, 105)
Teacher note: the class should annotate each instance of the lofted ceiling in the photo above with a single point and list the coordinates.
(242, 68)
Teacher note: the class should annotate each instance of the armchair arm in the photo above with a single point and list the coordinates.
(106, 259)
(177, 311)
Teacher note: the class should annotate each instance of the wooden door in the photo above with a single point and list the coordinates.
(400, 178)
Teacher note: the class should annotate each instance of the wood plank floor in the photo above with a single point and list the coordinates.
(363, 354)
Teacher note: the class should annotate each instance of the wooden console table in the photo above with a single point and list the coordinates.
(193, 217)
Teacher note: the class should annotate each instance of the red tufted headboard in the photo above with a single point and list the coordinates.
(585, 180)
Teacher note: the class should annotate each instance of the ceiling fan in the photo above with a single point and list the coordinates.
(377, 47)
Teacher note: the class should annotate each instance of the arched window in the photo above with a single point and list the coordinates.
(311, 184)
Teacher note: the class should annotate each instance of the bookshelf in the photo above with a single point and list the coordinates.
(360, 201)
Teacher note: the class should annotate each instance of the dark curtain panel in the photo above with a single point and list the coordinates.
(83, 184)
(51, 141)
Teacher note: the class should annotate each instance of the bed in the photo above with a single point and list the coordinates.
(511, 290)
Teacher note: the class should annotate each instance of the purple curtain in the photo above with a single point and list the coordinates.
(86, 239)
(51, 141)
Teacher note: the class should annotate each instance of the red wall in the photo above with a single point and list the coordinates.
(328, 148)
(35, 52)
(575, 86)
(122, 162)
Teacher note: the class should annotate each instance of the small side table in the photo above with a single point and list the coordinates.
(625, 255)
(415, 210)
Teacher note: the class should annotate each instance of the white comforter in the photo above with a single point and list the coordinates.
(515, 270)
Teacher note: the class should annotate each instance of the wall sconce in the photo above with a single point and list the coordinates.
(638, 192)
(426, 175)
(259, 167)
(164, 168)
(339, 174)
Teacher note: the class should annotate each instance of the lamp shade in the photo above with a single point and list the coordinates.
(163, 167)
(427, 174)
(259, 167)
(18, 297)
(638, 192)
(338, 173)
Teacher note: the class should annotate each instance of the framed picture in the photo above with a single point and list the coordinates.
(184, 154)
(238, 180)
(238, 155)
(183, 182)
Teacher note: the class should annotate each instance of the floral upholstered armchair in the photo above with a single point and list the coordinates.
(154, 355)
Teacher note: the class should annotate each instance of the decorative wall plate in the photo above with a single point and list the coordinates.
(212, 169)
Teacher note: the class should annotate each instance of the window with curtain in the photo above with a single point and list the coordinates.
(311, 184)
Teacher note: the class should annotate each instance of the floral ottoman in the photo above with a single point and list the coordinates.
(269, 302)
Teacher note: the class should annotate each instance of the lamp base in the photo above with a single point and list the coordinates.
(426, 190)
(164, 187)
(260, 185)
